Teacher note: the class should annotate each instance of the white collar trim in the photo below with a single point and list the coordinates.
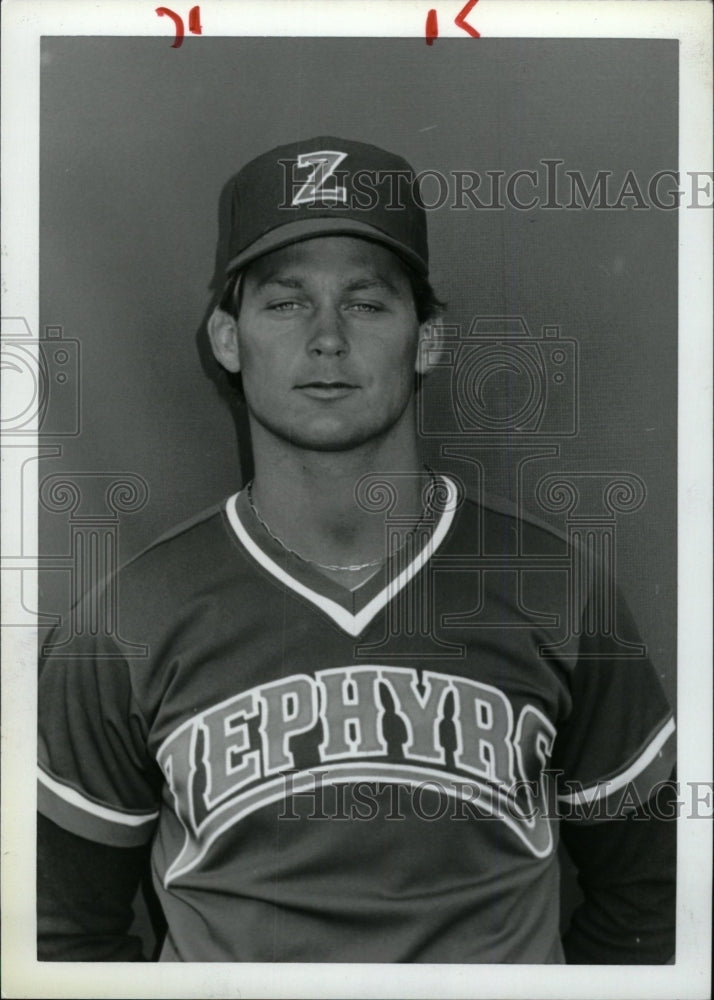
(353, 624)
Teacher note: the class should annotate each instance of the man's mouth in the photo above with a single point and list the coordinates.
(327, 389)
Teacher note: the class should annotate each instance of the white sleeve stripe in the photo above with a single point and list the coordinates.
(604, 788)
(76, 799)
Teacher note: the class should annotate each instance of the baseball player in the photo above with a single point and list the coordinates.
(346, 736)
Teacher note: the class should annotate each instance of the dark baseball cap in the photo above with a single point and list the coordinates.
(326, 186)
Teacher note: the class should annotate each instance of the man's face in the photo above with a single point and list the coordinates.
(327, 340)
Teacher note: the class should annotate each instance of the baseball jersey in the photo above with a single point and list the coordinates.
(369, 775)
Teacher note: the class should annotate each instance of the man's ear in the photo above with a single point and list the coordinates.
(223, 331)
(431, 335)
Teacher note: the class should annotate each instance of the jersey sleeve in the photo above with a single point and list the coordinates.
(96, 778)
(85, 892)
(617, 745)
(627, 871)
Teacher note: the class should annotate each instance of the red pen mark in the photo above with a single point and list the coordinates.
(178, 25)
(432, 27)
(194, 23)
(460, 19)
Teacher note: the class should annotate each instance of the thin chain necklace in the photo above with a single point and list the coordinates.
(353, 568)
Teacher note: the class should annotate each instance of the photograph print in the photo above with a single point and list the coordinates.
(358, 500)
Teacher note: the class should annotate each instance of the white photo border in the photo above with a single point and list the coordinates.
(24, 22)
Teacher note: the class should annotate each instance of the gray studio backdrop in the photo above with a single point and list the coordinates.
(137, 143)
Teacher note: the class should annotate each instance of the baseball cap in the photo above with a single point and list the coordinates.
(326, 186)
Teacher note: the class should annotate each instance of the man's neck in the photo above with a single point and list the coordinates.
(329, 507)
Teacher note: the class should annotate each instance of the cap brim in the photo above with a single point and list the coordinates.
(307, 229)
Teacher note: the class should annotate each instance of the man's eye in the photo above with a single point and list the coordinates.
(366, 307)
(287, 306)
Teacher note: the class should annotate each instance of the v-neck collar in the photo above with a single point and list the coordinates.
(351, 610)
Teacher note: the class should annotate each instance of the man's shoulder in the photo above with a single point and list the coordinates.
(504, 523)
(189, 546)
(191, 528)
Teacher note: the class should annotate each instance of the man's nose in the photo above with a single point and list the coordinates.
(328, 334)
